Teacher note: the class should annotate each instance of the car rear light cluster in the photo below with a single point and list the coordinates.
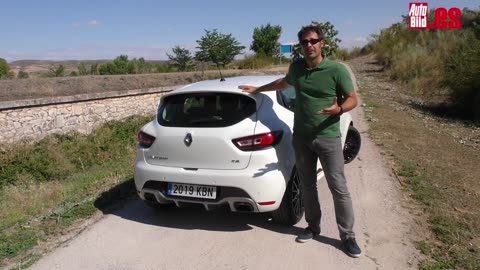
(257, 142)
(145, 140)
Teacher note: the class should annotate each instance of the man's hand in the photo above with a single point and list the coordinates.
(332, 110)
(248, 88)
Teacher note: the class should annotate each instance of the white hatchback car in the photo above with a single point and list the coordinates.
(212, 144)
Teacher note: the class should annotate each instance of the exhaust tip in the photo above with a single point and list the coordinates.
(243, 207)
(150, 197)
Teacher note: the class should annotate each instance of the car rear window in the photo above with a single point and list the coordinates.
(206, 109)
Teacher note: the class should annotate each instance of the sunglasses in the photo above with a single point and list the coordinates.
(312, 41)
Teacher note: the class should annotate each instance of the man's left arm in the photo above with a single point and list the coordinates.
(346, 87)
(350, 102)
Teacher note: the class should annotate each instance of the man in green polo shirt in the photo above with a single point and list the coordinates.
(319, 83)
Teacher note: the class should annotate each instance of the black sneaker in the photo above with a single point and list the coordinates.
(352, 248)
(306, 235)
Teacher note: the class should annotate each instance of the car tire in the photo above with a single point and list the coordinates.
(291, 208)
(352, 145)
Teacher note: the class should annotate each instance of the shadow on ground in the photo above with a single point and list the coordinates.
(445, 111)
(122, 201)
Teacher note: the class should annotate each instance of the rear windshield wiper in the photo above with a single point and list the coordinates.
(206, 120)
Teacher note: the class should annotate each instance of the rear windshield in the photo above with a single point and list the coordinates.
(205, 110)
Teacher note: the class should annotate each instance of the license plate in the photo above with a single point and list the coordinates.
(195, 191)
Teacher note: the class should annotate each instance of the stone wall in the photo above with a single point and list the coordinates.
(31, 120)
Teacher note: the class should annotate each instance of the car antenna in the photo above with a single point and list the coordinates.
(222, 79)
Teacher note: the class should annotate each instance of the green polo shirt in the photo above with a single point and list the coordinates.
(315, 90)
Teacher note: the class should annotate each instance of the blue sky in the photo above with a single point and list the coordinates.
(80, 30)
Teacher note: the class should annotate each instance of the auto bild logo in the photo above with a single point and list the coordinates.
(443, 18)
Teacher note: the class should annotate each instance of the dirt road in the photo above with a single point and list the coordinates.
(137, 237)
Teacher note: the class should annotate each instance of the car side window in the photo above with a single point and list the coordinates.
(286, 97)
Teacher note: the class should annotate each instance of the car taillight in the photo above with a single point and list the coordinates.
(257, 142)
(144, 139)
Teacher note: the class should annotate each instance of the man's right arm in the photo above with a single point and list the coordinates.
(278, 84)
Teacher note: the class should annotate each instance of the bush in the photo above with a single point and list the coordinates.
(255, 61)
(22, 75)
(121, 65)
(443, 66)
(94, 69)
(164, 68)
(57, 71)
(82, 69)
(107, 69)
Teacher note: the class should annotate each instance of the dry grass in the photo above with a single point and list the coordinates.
(66, 86)
(28, 197)
(437, 160)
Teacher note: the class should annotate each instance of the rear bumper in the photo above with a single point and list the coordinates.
(242, 190)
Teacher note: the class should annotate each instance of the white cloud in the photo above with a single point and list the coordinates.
(94, 23)
(89, 23)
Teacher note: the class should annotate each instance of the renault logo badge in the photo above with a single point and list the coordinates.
(188, 139)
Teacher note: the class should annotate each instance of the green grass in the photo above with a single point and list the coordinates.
(418, 184)
(77, 203)
(48, 186)
(424, 247)
(435, 266)
(13, 242)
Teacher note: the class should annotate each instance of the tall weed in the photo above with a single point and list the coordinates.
(462, 73)
(57, 156)
(440, 66)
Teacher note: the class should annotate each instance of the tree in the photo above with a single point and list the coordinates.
(82, 69)
(141, 66)
(94, 69)
(329, 35)
(218, 48)
(121, 65)
(4, 69)
(182, 59)
(57, 71)
(265, 40)
(108, 68)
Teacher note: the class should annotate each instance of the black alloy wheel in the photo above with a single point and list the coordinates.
(291, 209)
(297, 202)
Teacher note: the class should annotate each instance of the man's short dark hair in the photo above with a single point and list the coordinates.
(310, 28)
